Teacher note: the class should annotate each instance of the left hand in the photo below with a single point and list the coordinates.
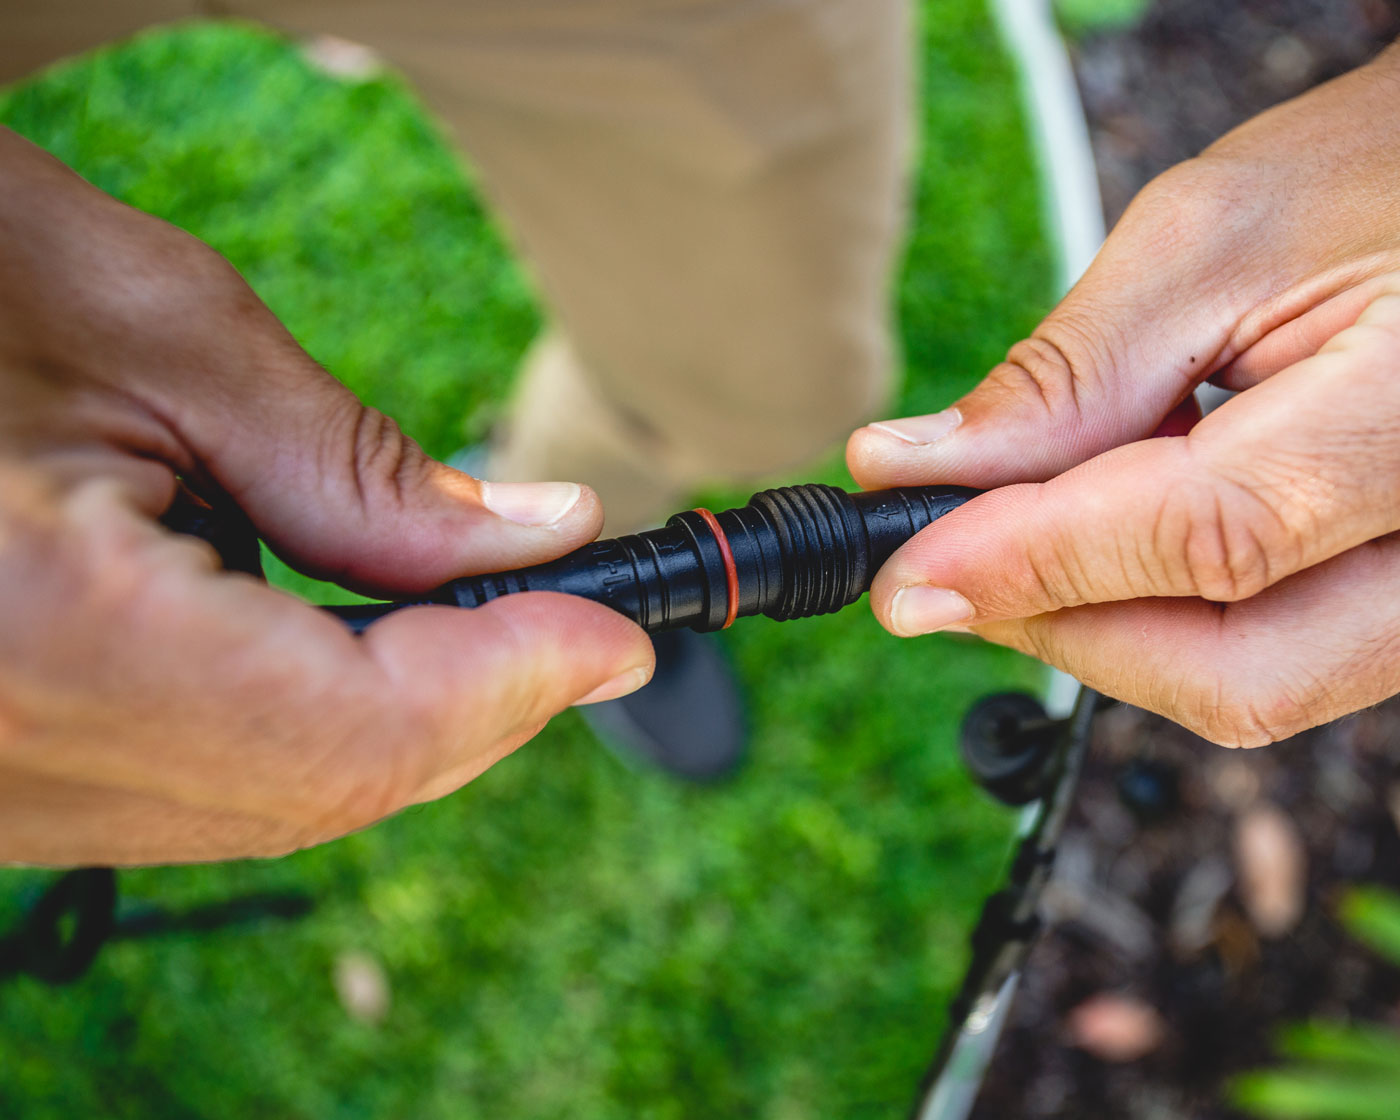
(154, 708)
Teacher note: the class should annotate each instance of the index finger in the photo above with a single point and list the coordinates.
(1288, 474)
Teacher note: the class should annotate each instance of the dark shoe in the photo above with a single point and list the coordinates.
(689, 721)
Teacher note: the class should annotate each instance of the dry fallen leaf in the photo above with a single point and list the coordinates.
(1234, 779)
(362, 986)
(1116, 1028)
(1198, 898)
(1273, 869)
(342, 58)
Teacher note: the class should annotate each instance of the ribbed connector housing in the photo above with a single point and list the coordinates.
(792, 552)
(823, 550)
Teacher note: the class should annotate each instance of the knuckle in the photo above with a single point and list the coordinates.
(530, 690)
(385, 461)
(1218, 541)
(1225, 563)
(1245, 719)
(1233, 724)
(99, 566)
(357, 800)
(182, 274)
(1040, 641)
(1242, 707)
(1057, 574)
(1039, 368)
(363, 802)
(1184, 207)
(1062, 364)
(281, 843)
(528, 696)
(372, 765)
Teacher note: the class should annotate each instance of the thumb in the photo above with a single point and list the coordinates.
(476, 684)
(340, 492)
(1295, 471)
(1187, 282)
(1125, 346)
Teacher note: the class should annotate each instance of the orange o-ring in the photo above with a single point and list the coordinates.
(731, 570)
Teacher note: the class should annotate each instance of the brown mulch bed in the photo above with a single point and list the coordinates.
(1197, 884)
(1193, 69)
(1153, 901)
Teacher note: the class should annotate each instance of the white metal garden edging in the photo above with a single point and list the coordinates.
(1059, 133)
(1069, 182)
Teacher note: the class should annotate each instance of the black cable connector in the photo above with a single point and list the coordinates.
(790, 553)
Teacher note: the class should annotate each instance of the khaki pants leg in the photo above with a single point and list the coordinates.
(710, 194)
(34, 33)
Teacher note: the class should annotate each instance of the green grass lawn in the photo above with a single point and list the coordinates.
(565, 937)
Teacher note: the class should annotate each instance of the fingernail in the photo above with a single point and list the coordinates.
(921, 429)
(540, 504)
(620, 685)
(919, 609)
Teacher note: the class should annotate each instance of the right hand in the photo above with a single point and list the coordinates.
(154, 708)
(1241, 580)
(1227, 268)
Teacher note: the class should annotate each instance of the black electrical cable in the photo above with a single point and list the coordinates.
(790, 553)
